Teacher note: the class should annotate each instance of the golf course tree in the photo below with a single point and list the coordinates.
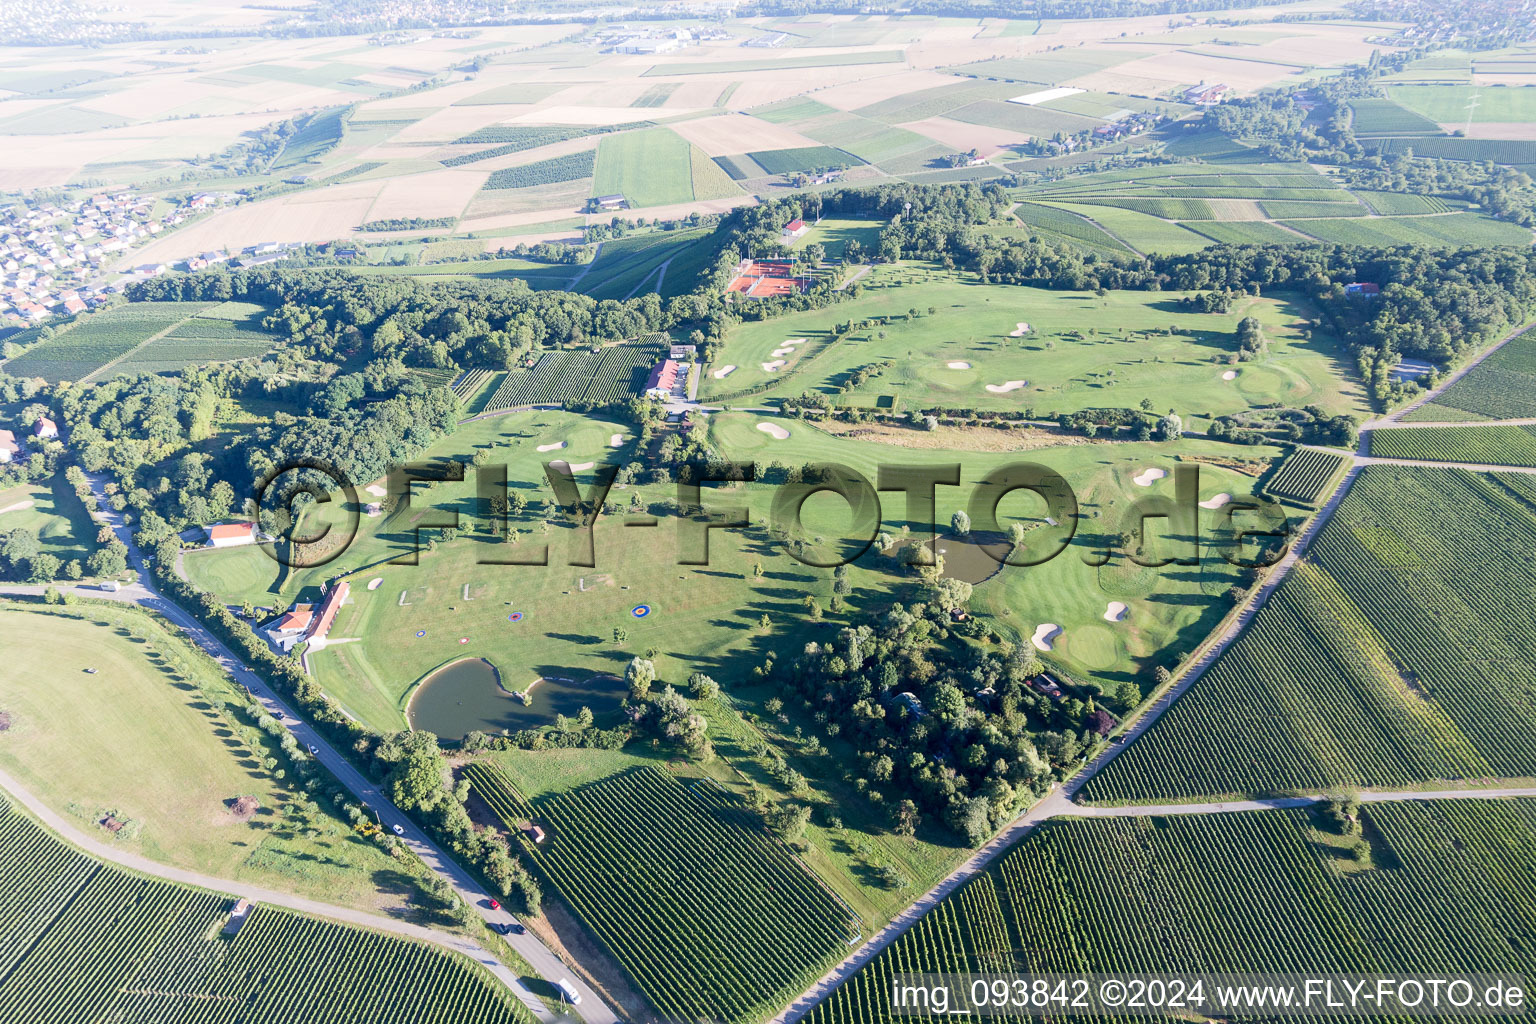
(907, 695)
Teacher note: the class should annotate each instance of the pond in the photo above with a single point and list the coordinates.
(967, 558)
(468, 695)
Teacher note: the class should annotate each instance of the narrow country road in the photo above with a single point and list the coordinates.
(1278, 803)
(1059, 802)
(12, 789)
(537, 955)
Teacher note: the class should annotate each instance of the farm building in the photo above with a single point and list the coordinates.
(1364, 289)
(1203, 95)
(9, 449)
(534, 832)
(229, 535)
(613, 202)
(320, 625)
(45, 428)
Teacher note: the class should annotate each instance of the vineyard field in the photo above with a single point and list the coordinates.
(1304, 475)
(1503, 386)
(86, 941)
(570, 167)
(95, 340)
(1390, 656)
(1262, 891)
(711, 917)
(1495, 445)
(577, 375)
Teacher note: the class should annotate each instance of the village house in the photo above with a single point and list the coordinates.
(323, 619)
(9, 449)
(45, 428)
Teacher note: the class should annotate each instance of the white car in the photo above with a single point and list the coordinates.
(399, 829)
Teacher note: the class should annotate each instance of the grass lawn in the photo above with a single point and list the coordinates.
(629, 265)
(141, 737)
(1457, 104)
(973, 323)
(835, 232)
(1141, 231)
(653, 167)
(51, 510)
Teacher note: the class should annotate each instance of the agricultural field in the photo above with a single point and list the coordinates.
(1502, 386)
(1461, 105)
(1378, 116)
(1079, 351)
(666, 262)
(806, 158)
(1305, 476)
(88, 941)
(97, 340)
(1386, 659)
(711, 917)
(150, 750)
(1496, 445)
(1274, 892)
(544, 172)
(649, 168)
(577, 375)
(1448, 229)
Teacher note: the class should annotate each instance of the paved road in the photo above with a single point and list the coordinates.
(1456, 375)
(538, 956)
(1231, 806)
(115, 854)
(1060, 803)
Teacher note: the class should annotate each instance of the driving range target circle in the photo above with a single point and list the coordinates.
(640, 611)
(421, 632)
(515, 617)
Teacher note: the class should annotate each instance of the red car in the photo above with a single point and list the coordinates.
(494, 905)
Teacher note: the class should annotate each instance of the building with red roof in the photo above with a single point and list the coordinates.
(323, 619)
(228, 535)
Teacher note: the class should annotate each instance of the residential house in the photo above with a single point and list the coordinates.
(229, 535)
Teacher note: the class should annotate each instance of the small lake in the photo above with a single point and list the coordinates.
(968, 559)
(467, 695)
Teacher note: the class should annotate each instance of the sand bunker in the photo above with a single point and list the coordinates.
(773, 430)
(777, 364)
(1218, 501)
(1146, 476)
(724, 371)
(1007, 386)
(1115, 612)
(376, 490)
(553, 447)
(783, 351)
(1044, 634)
(1229, 375)
(958, 364)
(580, 467)
(616, 441)
(18, 506)
(1019, 331)
(376, 583)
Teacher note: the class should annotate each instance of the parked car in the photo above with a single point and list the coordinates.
(493, 904)
(399, 829)
(314, 751)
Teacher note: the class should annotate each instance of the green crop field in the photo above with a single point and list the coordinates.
(1140, 231)
(1287, 209)
(666, 262)
(1050, 68)
(1480, 445)
(936, 101)
(1245, 232)
(570, 167)
(868, 140)
(710, 916)
(653, 167)
(318, 134)
(510, 139)
(1387, 658)
(1458, 104)
(1500, 151)
(87, 941)
(1075, 340)
(1377, 116)
(1169, 209)
(1446, 229)
(1260, 892)
(788, 111)
(96, 339)
(1501, 387)
(1051, 222)
(1388, 203)
(1304, 475)
(804, 158)
(739, 167)
(1021, 117)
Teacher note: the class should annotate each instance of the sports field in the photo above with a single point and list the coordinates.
(53, 514)
(1384, 660)
(1079, 350)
